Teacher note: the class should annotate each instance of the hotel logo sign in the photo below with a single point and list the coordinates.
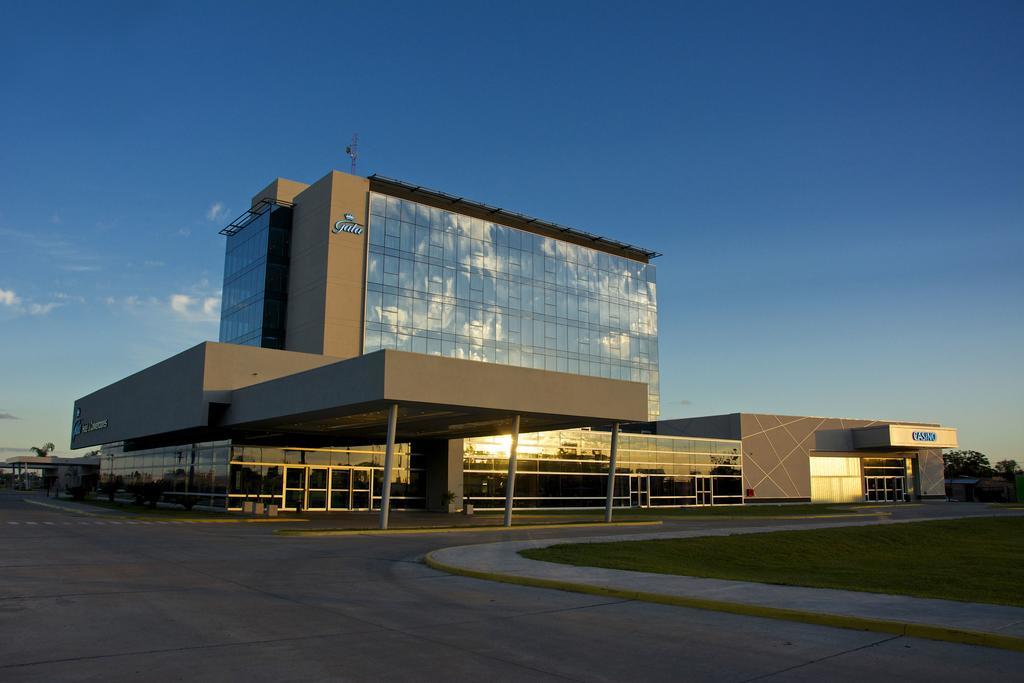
(924, 436)
(79, 427)
(347, 224)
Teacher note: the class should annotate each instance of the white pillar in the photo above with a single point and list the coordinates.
(389, 464)
(510, 481)
(613, 456)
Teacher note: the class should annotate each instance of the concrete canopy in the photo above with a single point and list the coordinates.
(266, 396)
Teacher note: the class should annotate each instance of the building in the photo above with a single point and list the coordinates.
(792, 459)
(31, 472)
(982, 489)
(369, 325)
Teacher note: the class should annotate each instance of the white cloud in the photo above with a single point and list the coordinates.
(20, 306)
(153, 264)
(211, 306)
(43, 309)
(9, 298)
(216, 212)
(196, 309)
(184, 232)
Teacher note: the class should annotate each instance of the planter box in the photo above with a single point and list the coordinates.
(467, 509)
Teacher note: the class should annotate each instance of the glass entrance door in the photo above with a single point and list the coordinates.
(316, 494)
(884, 489)
(294, 488)
(341, 493)
(899, 481)
(702, 486)
(361, 479)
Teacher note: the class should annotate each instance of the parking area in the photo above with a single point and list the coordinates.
(84, 598)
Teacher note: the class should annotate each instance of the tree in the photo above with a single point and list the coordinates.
(1008, 469)
(44, 450)
(967, 464)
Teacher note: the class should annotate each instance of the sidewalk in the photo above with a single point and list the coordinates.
(972, 623)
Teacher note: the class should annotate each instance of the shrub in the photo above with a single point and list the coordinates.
(148, 492)
(152, 491)
(78, 492)
(111, 486)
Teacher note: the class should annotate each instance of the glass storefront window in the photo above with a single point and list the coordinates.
(569, 468)
(325, 478)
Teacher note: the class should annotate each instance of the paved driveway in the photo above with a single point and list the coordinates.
(83, 598)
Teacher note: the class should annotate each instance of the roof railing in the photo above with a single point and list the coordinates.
(251, 214)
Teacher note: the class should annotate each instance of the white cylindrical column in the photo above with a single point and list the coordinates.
(510, 481)
(612, 457)
(389, 464)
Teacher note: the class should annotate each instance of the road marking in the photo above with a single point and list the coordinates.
(31, 522)
(14, 522)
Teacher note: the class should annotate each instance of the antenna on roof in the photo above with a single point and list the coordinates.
(353, 151)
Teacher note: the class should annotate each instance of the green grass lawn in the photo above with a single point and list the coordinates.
(976, 560)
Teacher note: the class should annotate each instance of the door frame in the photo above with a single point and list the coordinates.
(352, 490)
(639, 491)
(703, 491)
(326, 490)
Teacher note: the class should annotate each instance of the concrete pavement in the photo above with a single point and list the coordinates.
(234, 601)
(994, 625)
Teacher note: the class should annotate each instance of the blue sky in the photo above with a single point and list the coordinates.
(838, 188)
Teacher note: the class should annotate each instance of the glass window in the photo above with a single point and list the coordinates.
(491, 284)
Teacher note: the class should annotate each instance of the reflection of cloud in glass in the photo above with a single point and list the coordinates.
(453, 285)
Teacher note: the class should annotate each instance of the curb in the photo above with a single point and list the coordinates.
(900, 628)
(712, 518)
(456, 529)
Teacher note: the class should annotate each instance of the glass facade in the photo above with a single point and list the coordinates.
(325, 479)
(569, 468)
(219, 474)
(448, 284)
(255, 291)
(199, 471)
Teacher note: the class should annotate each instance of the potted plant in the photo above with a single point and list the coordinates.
(448, 501)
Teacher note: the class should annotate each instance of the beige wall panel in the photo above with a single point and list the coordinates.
(308, 268)
(776, 454)
(420, 378)
(282, 189)
(165, 397)
(346, 267)
(931, 472)
(173, 394)
(232, 366)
